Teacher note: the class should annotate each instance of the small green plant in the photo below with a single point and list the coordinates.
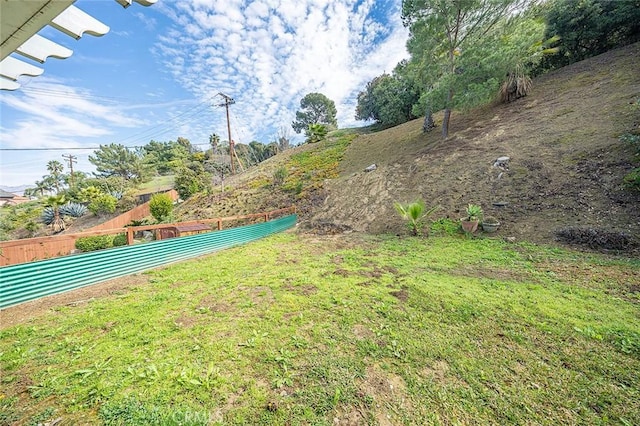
(161, 206)
(474, 212)
(90, 193)
(103, 204)
(632, 179)
(415, 214)
(316, 132)
(280, 175)
(97, 242)
(120, 240)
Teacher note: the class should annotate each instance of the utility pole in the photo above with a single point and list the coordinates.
(228, 100)
(71, 159)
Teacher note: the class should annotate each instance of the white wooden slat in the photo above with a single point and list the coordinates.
(6, 84)
(39, 49)
(13, 68)
(74, 22)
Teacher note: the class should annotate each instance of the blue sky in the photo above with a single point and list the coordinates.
(157, 73)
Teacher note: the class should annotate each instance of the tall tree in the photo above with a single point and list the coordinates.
(118, 160)
(315, 108)
(450, 36)
(389, 99)
(56, 175)
(590, 27)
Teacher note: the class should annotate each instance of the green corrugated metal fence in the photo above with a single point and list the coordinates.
(28, 281)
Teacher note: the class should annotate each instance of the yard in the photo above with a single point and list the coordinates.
(349, 329)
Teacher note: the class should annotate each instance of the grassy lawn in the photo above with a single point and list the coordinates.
(158, 183)
(298, 329)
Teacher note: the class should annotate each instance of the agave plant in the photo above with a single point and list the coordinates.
(47, 216)
(73, 209)
(414, 213)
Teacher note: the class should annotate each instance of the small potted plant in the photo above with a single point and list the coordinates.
(474, 216)
(490, 224)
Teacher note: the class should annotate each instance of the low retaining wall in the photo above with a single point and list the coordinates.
(29, 281)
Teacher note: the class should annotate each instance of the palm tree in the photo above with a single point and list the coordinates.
(55, 201)
(55, 169)
(414, 213)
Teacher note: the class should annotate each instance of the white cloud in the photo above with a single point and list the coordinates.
(268, 54)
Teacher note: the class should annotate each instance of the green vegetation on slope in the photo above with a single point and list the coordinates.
(367, 330)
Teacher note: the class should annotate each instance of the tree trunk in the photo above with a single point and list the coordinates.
(428, 124)
(445, 123)
(447, 115)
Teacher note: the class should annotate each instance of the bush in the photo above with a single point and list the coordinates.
(191, 180)
(97, 242)
(161, 206)
(632, 179)
(280, 175)
(103, 204)
(120, 240)
(100, 242)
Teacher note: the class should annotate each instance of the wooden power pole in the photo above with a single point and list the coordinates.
(71, 159)
(228, 100)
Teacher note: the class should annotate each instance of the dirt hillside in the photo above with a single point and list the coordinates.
(566, 162)
(565, 170)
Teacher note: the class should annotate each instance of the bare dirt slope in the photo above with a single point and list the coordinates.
(566, 165)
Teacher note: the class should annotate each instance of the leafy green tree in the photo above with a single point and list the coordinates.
(589, 27)
(161, 206)
(455, 41)
(118, 160)
(315, 108)
(388, 99)
(191, 179)
(167, 157)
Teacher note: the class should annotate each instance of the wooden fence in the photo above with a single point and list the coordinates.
(32, 249)
(136, 213)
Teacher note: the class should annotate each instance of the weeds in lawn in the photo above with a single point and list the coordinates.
(360, 328)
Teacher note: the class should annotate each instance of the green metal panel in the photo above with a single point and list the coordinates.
(28, 281)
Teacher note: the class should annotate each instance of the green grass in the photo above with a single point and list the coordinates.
(158, 183)
(300, 329)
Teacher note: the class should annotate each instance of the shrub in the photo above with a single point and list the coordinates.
(103, 204)
(280, 175)
(632, 179)
(127, 202)
(191, 180)
(161, 206)
(94, 243)
(89, 194)
(120, 240)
